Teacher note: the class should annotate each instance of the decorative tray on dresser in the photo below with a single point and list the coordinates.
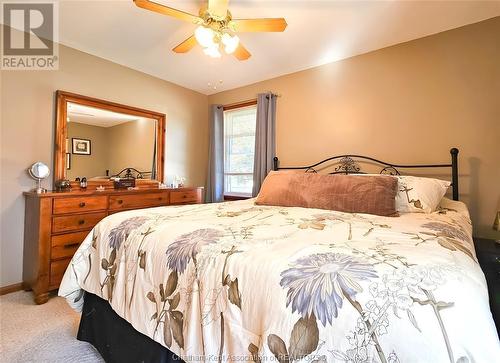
(56, 224)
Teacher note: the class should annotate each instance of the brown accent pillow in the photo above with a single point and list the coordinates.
(343, 193)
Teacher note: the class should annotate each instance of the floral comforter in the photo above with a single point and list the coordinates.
(236, 281)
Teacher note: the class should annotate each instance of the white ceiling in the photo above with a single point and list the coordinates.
(97, 116)
(318, 32)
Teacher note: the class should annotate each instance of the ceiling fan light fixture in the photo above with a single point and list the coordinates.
(212, 51)
(205, 36)
(216, 27)
(230, 42)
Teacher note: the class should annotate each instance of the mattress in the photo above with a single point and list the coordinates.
(236, 281)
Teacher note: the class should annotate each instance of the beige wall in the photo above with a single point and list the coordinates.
(97, 162)
(407, 103)
(129, 144)
(124, 148)
(27, 130)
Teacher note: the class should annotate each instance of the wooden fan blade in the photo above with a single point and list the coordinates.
(241, 53)
(218, 7)
(165, 10)
(259, 25)
(186, 45)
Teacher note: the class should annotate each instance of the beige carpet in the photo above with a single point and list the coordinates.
(40, 333)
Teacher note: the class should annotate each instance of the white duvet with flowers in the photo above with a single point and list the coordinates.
(240, 282)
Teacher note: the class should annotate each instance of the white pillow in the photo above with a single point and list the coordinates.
(418, 194)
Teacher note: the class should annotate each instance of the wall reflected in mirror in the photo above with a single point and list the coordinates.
(102, 143)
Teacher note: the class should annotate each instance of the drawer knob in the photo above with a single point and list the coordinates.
(120, 201)
(82, 204)
(160, 198)
(184, 196)
(71, 245)
(81, 221)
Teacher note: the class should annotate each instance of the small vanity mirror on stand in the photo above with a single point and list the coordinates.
(39, 171)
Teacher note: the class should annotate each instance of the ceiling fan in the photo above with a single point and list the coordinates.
(216, 27)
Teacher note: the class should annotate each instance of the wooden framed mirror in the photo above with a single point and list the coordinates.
(99, 139)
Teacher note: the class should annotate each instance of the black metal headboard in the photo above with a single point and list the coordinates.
(347, 165)
(133, 173)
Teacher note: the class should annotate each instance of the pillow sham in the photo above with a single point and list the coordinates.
(344, 193)
(418, 194)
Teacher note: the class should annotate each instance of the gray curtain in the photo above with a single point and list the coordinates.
(215, 176)
(265, 139)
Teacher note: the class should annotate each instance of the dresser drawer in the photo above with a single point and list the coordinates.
(65, 245)
(188, 196)
(138, 200)
(76, 222)
(79, 204)
(57, 269)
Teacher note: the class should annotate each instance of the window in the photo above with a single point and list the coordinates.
(239, 146)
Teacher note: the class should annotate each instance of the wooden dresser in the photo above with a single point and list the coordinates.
(56, 224)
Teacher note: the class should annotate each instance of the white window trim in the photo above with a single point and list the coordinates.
(235, 194)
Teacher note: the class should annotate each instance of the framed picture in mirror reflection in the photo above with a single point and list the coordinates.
(81, 146)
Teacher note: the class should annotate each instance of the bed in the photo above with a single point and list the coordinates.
(237, 281)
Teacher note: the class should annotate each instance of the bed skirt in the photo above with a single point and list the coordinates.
(115, 339)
